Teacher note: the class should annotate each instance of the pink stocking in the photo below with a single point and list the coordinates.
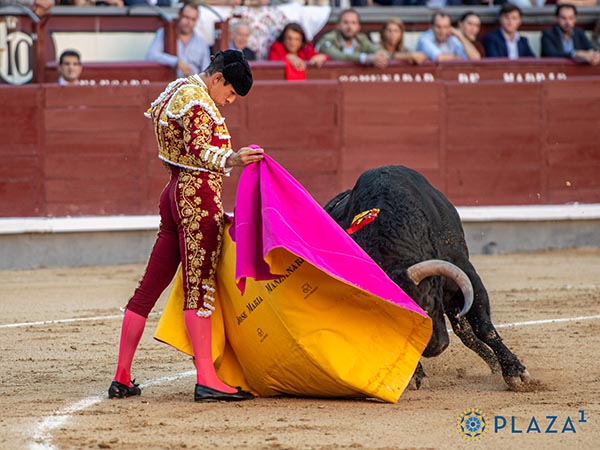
(131, 333)
(199, 330)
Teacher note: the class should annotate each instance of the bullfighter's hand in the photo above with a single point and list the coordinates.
(245, 156)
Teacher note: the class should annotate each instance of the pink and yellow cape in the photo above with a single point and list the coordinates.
(301, 308)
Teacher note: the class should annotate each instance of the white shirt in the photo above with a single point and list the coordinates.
(512, 46)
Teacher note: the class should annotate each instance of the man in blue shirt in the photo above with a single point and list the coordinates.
(564, 40)
(442, 43)
(193, 52)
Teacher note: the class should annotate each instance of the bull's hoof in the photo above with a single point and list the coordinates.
(519, 382)
(418, 382)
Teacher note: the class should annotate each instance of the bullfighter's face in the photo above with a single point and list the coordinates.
(221, 92)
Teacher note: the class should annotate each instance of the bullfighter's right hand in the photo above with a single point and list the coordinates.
(245, 156)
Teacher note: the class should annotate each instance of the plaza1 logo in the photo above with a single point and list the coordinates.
(473, 424)
(15, 53)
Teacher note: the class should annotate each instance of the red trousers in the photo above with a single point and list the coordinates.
(190, 233)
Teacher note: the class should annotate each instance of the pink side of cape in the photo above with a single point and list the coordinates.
(273, 210)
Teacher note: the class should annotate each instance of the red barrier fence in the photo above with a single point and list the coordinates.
(88, 150)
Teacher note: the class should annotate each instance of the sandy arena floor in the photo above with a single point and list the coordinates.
(54, 375)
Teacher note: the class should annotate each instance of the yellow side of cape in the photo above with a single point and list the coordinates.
(305, 334)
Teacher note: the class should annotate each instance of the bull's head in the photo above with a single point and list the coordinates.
(434, 303)
(430, 298)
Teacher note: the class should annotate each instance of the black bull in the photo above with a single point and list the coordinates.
(418, 223)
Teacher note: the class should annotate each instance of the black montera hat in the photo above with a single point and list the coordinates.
(237, 71)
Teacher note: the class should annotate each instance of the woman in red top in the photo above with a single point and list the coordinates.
(291, 45)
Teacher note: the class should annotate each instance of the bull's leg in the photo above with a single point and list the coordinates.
(419, 378)
(513, 371)
(464, 331)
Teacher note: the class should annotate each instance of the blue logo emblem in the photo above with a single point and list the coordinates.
(472, 424)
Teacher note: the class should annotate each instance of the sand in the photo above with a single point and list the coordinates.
(55, 374)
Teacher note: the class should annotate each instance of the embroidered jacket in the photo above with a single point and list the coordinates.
(190, 131)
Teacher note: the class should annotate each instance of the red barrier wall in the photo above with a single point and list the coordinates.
(88, 150)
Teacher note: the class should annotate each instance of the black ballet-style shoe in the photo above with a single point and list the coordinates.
(120, 390)
(206, 394)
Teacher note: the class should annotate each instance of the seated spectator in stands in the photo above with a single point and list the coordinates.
(69, 68)
(39, 7)
(118, 3)
(506, 42)
(392, 42)
(266, 22)
(347, 43)
(564, 40)
(469, 25)
(578, 2)
(193, 53)
(291, 45)
(596, 35)
(162, 3)
(239, 32)
(528, 3)
(444, 43)
(225, 2)
(434, 4)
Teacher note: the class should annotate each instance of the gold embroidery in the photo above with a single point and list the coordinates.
(174, 123)
(199, 193)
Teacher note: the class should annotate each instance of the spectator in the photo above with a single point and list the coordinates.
(69, 68)
(529, 3)
(392, 42)
(441, 43)
(347, 43)
(596, 35)
(265, 21)
(506, 42)
(579, 2)
(193, 53)
(118, 3)
(291, 45)
(433, 4)
(163, 3)
(239, 31)
(41, 7)
(564, 40)
(469, 25)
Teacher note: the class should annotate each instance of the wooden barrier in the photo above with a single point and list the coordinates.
(489, 69)
(88, 150)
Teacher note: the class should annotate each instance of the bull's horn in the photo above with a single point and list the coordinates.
(418, 272)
